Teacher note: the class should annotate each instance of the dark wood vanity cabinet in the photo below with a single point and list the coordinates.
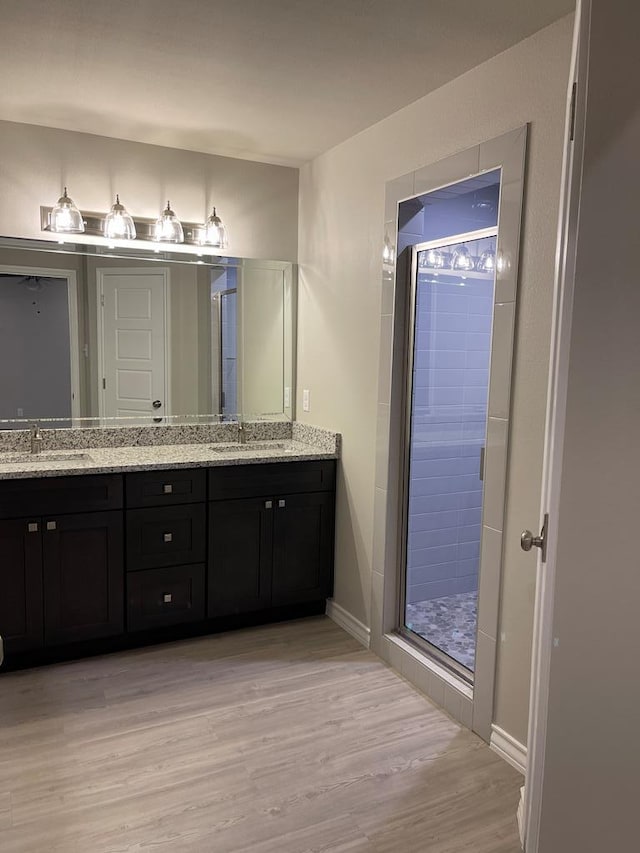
(82, 577)
(166, 548)
(272, 550)
(103, 558)
(60, 575)
(21, 624)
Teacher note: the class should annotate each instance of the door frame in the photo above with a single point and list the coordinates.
(473, 708)
(71, 278)
(133, 271)
(410, 328)
(555, 426)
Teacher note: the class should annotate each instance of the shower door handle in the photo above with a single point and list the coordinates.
(481, 475)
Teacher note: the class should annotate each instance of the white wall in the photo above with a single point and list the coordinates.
(258, 202)
(590, 790)
(340, 244)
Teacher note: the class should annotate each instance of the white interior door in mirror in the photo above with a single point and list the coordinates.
(133, 327)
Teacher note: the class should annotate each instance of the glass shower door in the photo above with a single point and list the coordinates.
(448, 382)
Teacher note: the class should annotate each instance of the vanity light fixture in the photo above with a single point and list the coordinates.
(65, 217)
(434, 259)
(215, 234)
(118, 224)
(168, 227)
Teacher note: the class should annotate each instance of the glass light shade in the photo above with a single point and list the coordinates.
(168, 228)
(215, 233)
(462, 260)
(118, 224)
(65, 217)
(487, 262)
(434, 259)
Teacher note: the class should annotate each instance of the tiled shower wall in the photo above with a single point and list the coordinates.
(450, 382)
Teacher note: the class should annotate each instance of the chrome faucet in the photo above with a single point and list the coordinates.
(242, 433)
(36, 438)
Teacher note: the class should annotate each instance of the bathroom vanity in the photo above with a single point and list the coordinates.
(104, 548)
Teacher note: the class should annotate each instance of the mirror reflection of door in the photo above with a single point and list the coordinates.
(224, 343)
(133, 344)
(38, 351)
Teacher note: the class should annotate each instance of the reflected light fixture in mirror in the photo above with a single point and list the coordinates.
(168, 227)
(487, 262)
(119, 225)
(462, 260)
(65, 217)
(215, 233)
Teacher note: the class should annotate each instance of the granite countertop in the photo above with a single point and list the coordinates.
(105, 460)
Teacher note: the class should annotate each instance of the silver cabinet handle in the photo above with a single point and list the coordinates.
(268, 504)
(33, 527)
(51, 525)
(282, 503)
(167, 598)
(167, 489)
(168, 537)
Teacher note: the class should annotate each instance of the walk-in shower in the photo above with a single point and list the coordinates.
(450, 307)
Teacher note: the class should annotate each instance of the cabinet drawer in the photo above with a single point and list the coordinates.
(60, 495)
(160, 597)
(165, 536)
(246, 481)
(164, 488)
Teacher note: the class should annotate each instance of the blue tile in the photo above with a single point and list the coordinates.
(476, 396)
(478, 341)
(470, 533)
(473, 515)
(434, 538)
(432, 503)
(432, 556)
(476, 377)
(470, 499)
(425, 521)
(469, 551)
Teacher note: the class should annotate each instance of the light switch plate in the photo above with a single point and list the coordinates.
(306, 400)
(287, 397)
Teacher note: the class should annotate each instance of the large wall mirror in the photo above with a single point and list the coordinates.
(89, 334)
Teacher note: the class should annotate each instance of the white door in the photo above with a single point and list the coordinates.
(134, 379)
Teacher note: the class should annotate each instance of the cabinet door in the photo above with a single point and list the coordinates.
(302, 548)
(240, 540)
(83, 565)
(21, 585)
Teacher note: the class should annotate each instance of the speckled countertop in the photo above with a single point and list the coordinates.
(60, 459)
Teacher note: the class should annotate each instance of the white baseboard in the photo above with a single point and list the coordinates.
(509, 748)
(349, 623)
(520, 817)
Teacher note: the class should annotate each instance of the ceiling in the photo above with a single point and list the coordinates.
(273, 80)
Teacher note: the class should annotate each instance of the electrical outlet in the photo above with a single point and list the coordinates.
(287, 397)
(20, 413)
(306, 405)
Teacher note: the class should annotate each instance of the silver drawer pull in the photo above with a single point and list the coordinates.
(167, 489)
(268, 504)
(167, 598)
(51, 525)
(33, 527)
(168, 537)
(282, 503)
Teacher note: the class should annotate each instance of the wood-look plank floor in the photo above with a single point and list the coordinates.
(288, 738)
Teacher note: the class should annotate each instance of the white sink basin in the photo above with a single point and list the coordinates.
(251, 446)
(26, 458)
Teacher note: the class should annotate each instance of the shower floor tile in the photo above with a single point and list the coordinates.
(448, 623)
